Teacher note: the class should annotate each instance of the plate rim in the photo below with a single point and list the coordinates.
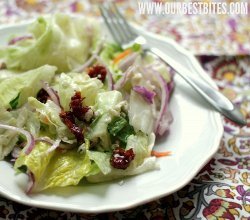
(108, 208)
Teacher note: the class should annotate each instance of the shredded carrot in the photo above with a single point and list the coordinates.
(160, 154)
(122, 55)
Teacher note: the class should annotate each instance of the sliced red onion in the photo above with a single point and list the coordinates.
(128, 61)
(17, 39)
(52, 93)
(86, 64)
(29, 137)
(121, 82)
(170, 86)
(164, 100)
(45, 139)
(54, 146)
(156, 63)
(171, 71)
(16, 152)
(165, 122)
(164, 117)
(109, 74)
(31, 182)
(66, 146)
(91, 59)
(110, 80)
(145, 93)
(50, 141)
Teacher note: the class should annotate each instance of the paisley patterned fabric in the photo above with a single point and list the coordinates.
(202, 34)
(221, 190)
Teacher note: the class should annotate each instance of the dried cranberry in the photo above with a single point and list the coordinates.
(42, 96)
(67, 117)
(3, 66)
(120, 158)
(77, 107)
(69, 121)
(98, 71)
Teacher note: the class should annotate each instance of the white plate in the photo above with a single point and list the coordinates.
(194, 138)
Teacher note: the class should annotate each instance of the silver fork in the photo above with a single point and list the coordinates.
(124, 35)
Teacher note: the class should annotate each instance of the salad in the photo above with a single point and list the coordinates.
(74, 106)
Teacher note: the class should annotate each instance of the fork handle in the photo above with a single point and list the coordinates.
(213, 96)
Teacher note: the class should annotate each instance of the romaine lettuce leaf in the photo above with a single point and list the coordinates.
(54, 169)
(65, 169)
(60, 40)
(22, 86)
(37, 161)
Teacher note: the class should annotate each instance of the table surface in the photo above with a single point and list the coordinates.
(221, 190)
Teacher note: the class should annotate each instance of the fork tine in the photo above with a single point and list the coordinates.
(126, 31)
(108, 22)
(114, 26)
(117, 26)
(123, 22)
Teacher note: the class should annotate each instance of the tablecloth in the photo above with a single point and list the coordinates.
(221, 190)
